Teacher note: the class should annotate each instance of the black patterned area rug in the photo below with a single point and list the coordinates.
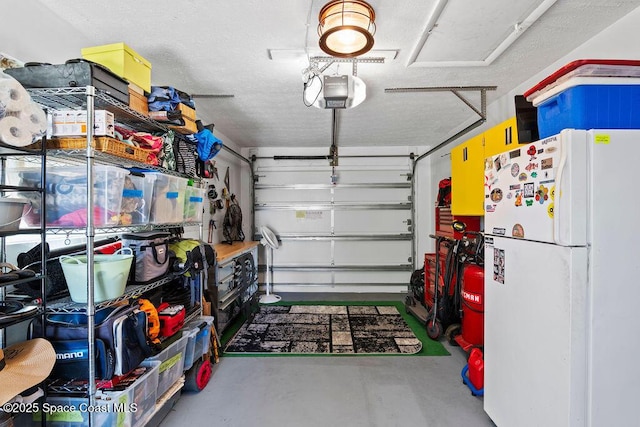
(325, 329)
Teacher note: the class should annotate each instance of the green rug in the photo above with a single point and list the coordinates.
(429, 347)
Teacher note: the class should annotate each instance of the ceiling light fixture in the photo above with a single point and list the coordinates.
(346, 28)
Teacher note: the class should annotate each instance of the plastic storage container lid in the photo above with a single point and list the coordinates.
(580, 81)
(586, 68)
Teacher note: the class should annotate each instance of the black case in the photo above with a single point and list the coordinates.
(74, 73)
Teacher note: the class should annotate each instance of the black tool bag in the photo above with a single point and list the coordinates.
(151, 255)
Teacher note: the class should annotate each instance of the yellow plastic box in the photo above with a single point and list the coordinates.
(123, 61)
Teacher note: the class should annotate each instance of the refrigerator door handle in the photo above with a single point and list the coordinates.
(558, 193)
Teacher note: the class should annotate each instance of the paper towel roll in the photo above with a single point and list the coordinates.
(33, 117)
(13, 131)
(12, 95)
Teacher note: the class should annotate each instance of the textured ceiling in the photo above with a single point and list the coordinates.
(222, 47)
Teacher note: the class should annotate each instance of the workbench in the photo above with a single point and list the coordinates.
(234, 288)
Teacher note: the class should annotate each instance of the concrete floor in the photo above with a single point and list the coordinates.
(333, 391)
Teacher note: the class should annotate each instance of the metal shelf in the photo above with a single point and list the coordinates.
(90, 99)
(13, 188)
(22, 231)
(122, 228)
(35, 278)
(66, 305)
(21, 319)
(10, 151)
(80, 157)
(76, 97)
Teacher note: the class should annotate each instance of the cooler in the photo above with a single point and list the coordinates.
(588, 94)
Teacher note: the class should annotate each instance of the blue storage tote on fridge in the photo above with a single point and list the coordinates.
(590, 103)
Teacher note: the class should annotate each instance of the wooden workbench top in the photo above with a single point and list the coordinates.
(225, 251)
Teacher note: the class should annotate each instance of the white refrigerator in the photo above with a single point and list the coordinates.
(562, 280)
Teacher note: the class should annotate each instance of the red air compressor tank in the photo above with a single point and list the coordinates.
(473, 305)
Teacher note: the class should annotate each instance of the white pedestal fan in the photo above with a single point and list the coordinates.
(270, 242)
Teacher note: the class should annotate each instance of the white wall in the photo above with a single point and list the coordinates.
(619, 41)
(31, 33)
(238, 184)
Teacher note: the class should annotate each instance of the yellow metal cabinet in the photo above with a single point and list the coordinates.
(501, 137)
(467, 177)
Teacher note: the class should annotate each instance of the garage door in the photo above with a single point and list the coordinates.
(351, 236)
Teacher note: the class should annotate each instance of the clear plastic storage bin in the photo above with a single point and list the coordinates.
(171, 364)
(137, 195)
(194, 204)
(198, 344)
(167, 206)
(129, 407)
(66, 195)
(190, 333)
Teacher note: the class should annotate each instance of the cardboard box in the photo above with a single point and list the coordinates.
(138, 102)
(134, 87)
(123, 61)
(188, 128)
(74, 122)
(187, 112)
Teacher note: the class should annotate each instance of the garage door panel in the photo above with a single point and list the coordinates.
(395, 277)
(372, 252)
(285, 276)
(293, 252)
(372, 176)
(294, 221)
(288, 177)
(372, 221)
(296, 196)
(372, 195)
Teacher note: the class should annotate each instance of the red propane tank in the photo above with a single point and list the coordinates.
(473, 305)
